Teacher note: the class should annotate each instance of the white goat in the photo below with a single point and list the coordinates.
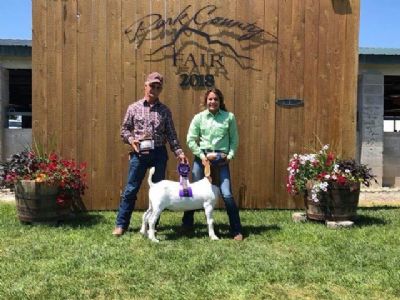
(165, 195)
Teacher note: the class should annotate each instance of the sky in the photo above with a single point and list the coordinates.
(378, 22)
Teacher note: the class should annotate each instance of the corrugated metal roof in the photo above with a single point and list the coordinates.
(15, 47)
(9, 42)
(378, 51)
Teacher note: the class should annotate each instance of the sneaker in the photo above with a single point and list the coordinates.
(118, 231)
(238, 237)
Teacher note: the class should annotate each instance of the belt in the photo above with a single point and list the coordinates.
(209, 151)
(219, 158)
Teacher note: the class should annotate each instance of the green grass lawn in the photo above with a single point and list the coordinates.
(278, 259)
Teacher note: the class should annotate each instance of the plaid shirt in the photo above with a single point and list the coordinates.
(142, 121)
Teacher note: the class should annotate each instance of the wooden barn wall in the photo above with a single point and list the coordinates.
(90, 59)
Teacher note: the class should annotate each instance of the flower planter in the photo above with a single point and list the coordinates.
(37, 202)
(339, 203)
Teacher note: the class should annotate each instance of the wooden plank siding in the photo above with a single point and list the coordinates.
(68, 141)
(84, 75)
(87, 69)
(100, 169)
(39, 71)
(348, 132)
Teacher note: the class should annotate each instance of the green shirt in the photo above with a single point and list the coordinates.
(213, 132)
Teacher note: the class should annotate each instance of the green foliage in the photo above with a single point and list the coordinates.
(17, 166)
(278, 259)
(358, 172)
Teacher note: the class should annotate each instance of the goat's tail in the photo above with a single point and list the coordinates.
(151, 172)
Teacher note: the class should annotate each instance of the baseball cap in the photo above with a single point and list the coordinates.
(155, 77)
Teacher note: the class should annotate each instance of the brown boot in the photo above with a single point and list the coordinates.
(238, 237)
(118, 231)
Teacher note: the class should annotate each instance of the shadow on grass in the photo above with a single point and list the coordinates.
(363, 220)
(84, 220)
(375, 208)
(201, 231)
(74, 221)
(359, 221)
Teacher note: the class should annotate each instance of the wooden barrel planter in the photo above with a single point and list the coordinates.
(339, 203)
(37, 202)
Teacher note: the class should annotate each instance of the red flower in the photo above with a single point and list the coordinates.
(53, 157)
(52, 166)
(330, 159)
(341, 180)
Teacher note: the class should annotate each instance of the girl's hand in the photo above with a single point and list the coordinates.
(211, 156)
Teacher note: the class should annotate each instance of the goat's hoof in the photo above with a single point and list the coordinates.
(143, 232)
(215, 238)
(155, 240)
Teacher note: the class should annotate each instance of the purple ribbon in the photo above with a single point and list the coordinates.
(184, 190)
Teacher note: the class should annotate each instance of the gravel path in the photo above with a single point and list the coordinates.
(6, 196)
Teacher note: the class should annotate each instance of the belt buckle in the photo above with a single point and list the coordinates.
(146, 145)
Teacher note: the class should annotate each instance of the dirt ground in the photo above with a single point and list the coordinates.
(374, 203)
(6, 195)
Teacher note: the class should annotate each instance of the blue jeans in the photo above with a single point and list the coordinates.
(225, 188)
(138, 165)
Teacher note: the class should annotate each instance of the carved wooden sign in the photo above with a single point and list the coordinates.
(217, 37)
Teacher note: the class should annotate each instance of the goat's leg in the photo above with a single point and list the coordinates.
(208, 209)
(152, 224)
(145, 220)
